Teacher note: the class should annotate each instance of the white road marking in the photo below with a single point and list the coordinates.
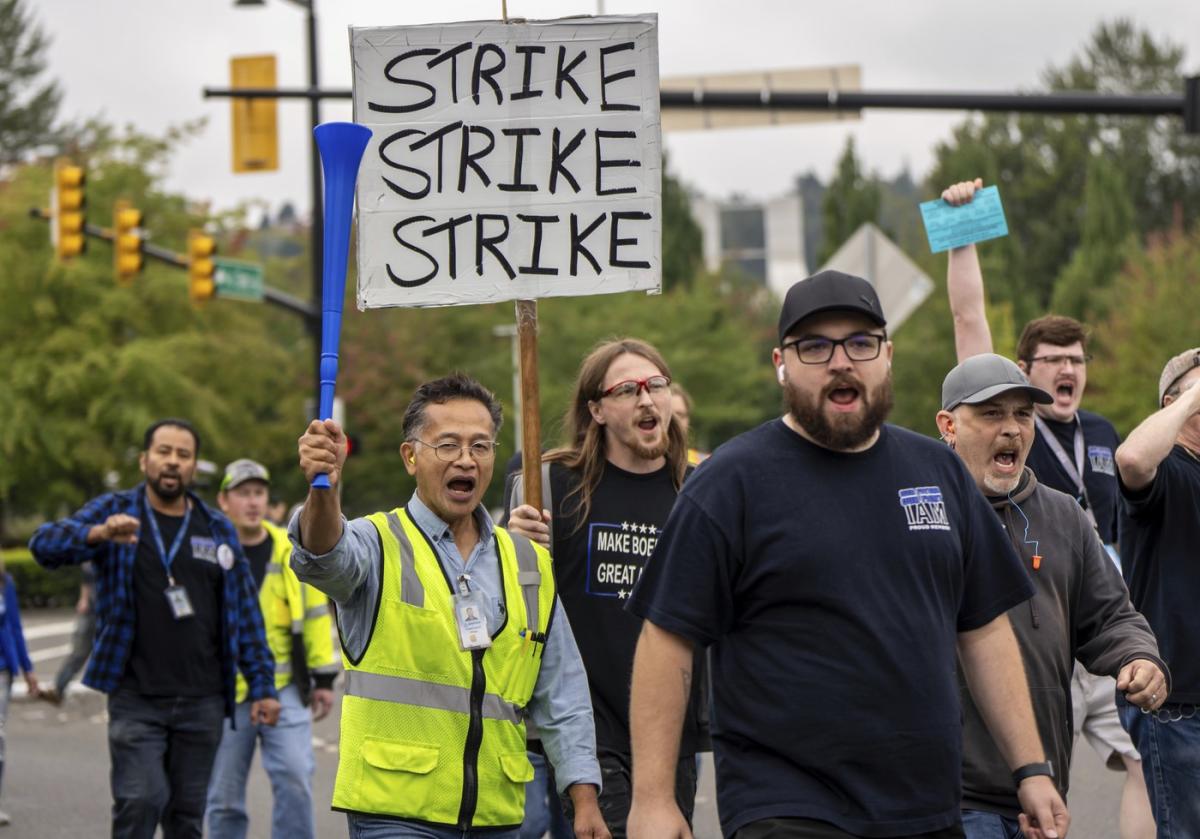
(49, 630)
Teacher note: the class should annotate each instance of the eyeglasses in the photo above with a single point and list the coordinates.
(630, 388)
(481, 451)
(818, 349)
(1060, 360)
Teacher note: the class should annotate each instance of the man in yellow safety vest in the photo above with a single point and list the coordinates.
(452, 636)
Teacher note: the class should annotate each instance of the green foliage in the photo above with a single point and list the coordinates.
(1107, 240)
(1152, 318)
(35, 585)
(853, 198)
(1043, 165)
(28, 105)
(90, 364)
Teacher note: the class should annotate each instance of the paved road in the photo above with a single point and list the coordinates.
(56, 772)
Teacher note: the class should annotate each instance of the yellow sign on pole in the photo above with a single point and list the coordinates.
(255, 133)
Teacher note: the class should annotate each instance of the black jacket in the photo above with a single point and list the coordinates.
(1081, 611)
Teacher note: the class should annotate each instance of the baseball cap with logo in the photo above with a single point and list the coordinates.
(984, 377)
(828, 291)
(240, 471)
(1175, 369)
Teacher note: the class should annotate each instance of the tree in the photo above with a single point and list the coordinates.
(1152, 317)
(88, 364)
(1108, 239)
(852, 199)
(1042, 165)
(28, 106)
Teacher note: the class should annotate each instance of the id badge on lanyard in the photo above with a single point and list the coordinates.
(470, 616)
(177, 596)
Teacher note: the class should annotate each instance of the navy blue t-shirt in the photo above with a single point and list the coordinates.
(832, 588)
(1100, 441)
(1160, 558)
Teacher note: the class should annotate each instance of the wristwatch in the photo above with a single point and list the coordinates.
(1031, 769)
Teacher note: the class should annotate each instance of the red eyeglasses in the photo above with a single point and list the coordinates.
(653, 385)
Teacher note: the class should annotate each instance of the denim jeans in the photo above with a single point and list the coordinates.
(83, 636)
(162, 750)
(366, 827)
(543, 812)
(1169, 742)
(287, 756)
(978, 824)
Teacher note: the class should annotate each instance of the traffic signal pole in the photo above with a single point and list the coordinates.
(277, 298)
(1186, 105)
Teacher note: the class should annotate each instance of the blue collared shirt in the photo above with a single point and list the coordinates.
(561, 707)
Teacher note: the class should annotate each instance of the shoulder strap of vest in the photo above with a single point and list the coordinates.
(517, 497)
(529, 578)
(411, 590)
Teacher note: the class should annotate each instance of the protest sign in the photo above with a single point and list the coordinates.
(508, 160)
(979, 219)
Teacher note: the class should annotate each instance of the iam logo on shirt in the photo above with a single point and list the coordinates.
(1101, 458)
(924, 509)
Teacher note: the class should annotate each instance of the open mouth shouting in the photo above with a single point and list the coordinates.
(1005, 460)
(844, 395)
(648, 425)
(1064, 390)
(461, 488)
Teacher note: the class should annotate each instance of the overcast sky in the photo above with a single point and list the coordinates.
(145, 62)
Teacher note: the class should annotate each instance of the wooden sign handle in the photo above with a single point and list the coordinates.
(531, 421)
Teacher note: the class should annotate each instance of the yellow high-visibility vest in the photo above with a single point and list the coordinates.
(292, 607)
(430, 732)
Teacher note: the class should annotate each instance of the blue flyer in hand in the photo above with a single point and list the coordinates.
(952, 227)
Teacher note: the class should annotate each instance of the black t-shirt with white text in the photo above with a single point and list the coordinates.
(1100, 442)
(832, 587)
(1160, 558)
(171, 657)
(596, 567)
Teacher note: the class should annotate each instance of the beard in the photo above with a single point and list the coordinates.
(843, 431)
(167, 493)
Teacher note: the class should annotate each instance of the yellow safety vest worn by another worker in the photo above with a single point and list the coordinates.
(290, 607)
(430, 732)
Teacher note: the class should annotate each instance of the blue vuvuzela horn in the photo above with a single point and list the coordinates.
(341, 145)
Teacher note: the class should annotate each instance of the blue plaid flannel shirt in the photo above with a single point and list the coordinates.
(64, 542)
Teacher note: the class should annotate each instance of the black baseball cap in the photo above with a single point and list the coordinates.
(826, 292)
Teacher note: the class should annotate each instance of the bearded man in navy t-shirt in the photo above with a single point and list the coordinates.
(833, 564)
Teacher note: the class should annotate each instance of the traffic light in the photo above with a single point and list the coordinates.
(200, 250)
(67, 210)
(127, 242)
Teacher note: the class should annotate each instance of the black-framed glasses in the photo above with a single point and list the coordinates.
(653, 385)
(480, 451)
(1059, 359)
(817, 349)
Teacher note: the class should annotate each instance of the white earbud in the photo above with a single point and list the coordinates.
(779, 373)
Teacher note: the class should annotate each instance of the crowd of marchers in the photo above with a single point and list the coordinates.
(877, 634)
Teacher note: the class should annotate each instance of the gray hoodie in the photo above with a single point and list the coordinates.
(1081, 610)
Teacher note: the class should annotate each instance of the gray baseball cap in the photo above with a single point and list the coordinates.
(984, 377)
(240, 471)
(1175, 369)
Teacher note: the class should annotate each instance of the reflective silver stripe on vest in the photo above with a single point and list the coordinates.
(316, 612)
(528, 577)
(283, 667)
(426, 695)
(411, 590)
(274, 568)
